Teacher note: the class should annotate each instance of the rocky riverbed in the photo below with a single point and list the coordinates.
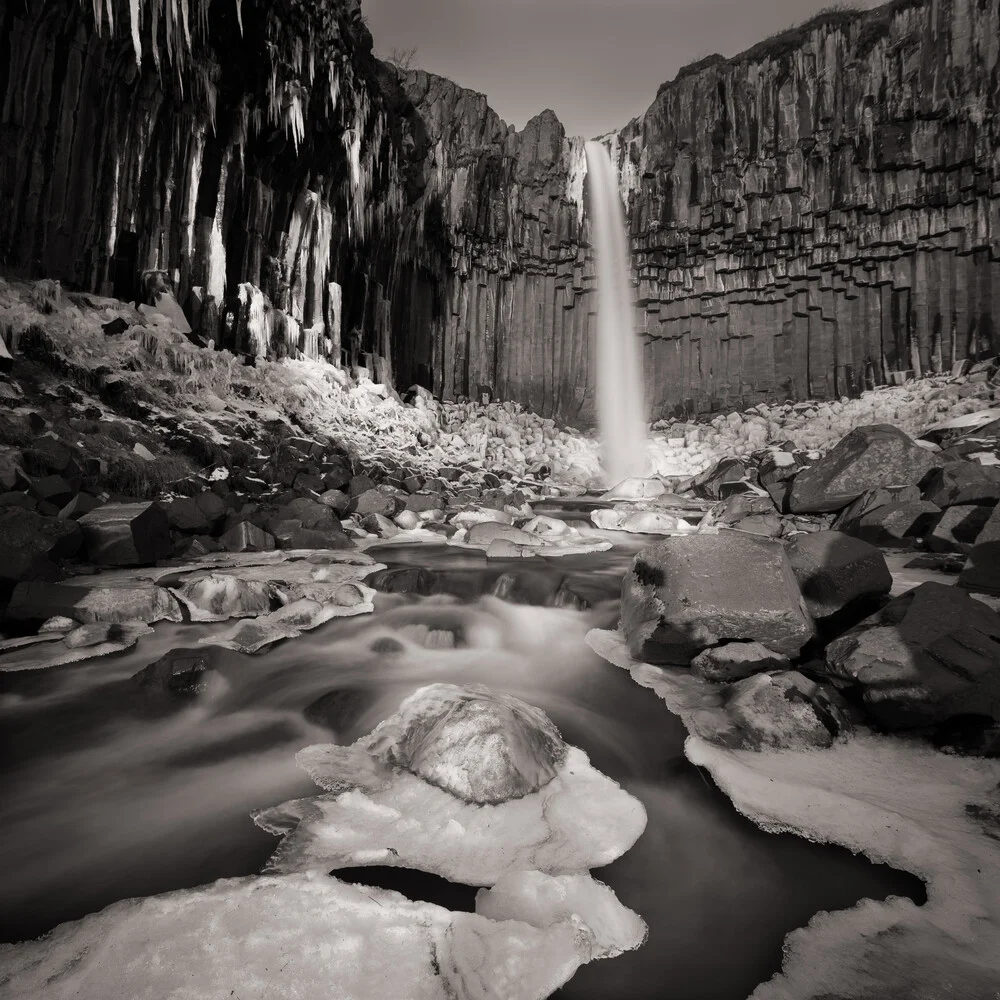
(814, 591)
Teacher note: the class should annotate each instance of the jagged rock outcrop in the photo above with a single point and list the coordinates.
(819, 213)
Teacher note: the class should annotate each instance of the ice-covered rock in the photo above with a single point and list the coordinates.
(462, 782)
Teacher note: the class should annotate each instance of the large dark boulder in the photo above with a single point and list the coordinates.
(892, 524)
(708, 484)
(32, 545)
(963, 483)
(689, 592)
(927, 656)
(958, 528)
(866, 458)
(982, 569)
(836, 572)
(126, 534)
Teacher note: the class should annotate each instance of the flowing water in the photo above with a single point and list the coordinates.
(113, 793)
(621, 414)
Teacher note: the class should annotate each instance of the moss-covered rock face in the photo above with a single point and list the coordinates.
(482, 746)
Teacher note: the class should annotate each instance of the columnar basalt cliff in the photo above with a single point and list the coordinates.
(818, 213)
(227, 144)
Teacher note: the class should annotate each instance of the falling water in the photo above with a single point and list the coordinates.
(620, 404)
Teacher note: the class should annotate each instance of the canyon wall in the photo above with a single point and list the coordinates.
(223, 143)
(818, 213)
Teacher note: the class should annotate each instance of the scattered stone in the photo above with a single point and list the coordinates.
(786, 710)
(183, 672)
(689, 592)
(374, 501)
(126, 534)
(709, 483)
(736, 660)
(247, 537)
(982, 571)
(867, 458)
(379, 524)
(957, 529)
(963, 483)
(487, 532)
(407, 520)
(837, 572)
(336, 500)
(139, 602)
(927, 656)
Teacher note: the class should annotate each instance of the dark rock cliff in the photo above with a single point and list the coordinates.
(820, 211)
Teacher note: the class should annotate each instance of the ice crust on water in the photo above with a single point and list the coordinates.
(896, 800)
(463, 783)
(523, 795)
(313, 936)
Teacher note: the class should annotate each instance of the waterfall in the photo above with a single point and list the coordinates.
(620, 404)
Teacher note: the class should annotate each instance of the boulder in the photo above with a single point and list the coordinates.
(292, 535)
(140, 602)
(31, 545)
(836, 572)
(487, 532)
(379, 524)
(927, 656)
(374, 501)
(183, 672)
(309, 513)
(185, 515)
(52, 489)
(736, 660)
(418, 502)
(689, 592)
(337, 500)
(963, 483)
(868, 457)
(982, 570)
(708, 484)
(131, 534)
(898, 524)
(247, 537)
(958, 528)
(786, 710)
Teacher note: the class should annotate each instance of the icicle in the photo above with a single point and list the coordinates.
(170, 29)
(186, 25)
(155, 10)
(99, 14)
(239, 14)
(111, 17)
(134, 17)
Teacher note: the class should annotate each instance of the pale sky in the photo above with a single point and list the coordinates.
(596, 63)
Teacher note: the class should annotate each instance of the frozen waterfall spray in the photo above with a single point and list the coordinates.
(620, 404)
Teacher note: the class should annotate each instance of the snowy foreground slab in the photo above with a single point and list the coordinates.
(897, 801)
(475, 785)
(312, 936)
